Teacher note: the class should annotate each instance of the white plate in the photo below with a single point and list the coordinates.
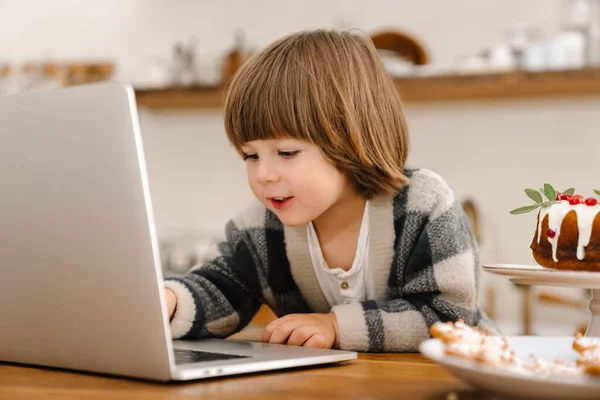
(512, 384)
(536, 275)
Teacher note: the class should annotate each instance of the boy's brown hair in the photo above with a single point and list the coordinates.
(328, 88)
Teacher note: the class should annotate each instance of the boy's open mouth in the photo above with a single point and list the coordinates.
(280, 203)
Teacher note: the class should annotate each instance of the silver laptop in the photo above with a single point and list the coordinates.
(80, 273)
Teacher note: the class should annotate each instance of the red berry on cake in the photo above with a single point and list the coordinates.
(550, 233)
(591, 201)
(574, 201)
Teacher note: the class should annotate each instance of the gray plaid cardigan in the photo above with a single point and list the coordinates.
(424, 264)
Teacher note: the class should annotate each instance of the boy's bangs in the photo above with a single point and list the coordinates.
(273, 103)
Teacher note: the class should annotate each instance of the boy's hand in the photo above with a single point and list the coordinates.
(308, 330)
(171, 302)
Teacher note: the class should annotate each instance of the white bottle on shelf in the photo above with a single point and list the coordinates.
(535, 53)
(572, 43)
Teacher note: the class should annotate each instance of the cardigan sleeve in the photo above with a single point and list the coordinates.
(221, 295)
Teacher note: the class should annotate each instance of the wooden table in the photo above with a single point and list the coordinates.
(372, 376)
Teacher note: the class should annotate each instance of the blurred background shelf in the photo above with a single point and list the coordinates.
(192, 97)
(416, 89)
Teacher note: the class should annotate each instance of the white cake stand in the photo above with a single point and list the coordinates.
(537, 275)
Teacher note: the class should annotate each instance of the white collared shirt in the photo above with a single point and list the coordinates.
(339, 286)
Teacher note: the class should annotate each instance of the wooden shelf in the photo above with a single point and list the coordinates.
(181, 98)
(417, 89)
(497, 86)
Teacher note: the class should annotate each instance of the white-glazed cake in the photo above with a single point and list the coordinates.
(567, 234)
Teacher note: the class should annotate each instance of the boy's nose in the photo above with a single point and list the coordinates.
(266, 174)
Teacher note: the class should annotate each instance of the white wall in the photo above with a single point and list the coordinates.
(489, 151)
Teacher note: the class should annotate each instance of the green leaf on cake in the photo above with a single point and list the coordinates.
(534, 195)
(526, 209)
(549, 191)
(597, 192)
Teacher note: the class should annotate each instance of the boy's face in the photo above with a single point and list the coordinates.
(293, 179)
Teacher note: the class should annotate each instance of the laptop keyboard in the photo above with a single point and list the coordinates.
(183, 356)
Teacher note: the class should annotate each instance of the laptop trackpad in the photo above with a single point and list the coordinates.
(185, 356)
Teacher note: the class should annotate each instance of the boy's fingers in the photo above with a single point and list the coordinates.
(317, 340)
(282, 332)
(300, 335)
(270, 328)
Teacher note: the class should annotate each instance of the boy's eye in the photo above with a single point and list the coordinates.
(251, 157)
(289, 154)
